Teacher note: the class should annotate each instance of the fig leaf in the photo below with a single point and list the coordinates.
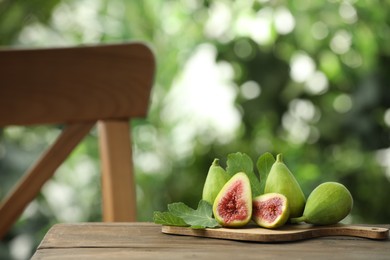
(199, 218)
(241, 162)
(264, 165)
(167, 218)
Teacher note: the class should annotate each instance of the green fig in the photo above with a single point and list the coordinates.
(281, 180)
(327, 204)
(216, 178)
(270, 210)
(233, 205)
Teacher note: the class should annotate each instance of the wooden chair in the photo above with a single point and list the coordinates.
(77, 87)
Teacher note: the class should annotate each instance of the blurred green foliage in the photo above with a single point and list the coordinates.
(308, 79)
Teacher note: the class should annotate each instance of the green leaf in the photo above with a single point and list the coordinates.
(199, 218)
(264, 164)
(169, 219)
(240, 162)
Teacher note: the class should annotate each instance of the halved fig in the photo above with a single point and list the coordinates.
(233, 205)
(270, 210)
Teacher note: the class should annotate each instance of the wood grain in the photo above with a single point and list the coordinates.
(119, 197)
(87, 83)
(146, 241)
(284, 234)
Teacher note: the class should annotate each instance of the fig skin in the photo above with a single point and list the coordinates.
(233, 205)
(327, 204)
(215, 180)
(281, 180)
(278, 207)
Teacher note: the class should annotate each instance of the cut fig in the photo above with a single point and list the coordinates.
(271, 210)
(233, 205)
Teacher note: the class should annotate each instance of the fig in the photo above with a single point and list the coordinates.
(281, 180)
(327, 204)
(270, 210)
(233, 205)
(216, 178)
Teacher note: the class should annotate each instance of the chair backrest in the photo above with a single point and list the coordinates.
(77, 87)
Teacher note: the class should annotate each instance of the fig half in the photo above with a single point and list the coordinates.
(271, 210)
(233, 205)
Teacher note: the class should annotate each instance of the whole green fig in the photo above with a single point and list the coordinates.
(327, 204)
(281, 180)
(216, 178)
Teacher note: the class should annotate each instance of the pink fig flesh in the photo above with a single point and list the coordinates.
(233, 204)
(271, 210)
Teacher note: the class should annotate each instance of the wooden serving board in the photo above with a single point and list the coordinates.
(284, 234)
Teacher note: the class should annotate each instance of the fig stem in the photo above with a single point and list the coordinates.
(298, 220)
(279, 158)
(216, 162)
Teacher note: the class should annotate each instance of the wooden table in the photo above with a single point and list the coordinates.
(146, 241)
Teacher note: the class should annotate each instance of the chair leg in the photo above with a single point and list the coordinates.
(118, 186)
(31, 183)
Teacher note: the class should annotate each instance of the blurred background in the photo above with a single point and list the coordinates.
(309, 79)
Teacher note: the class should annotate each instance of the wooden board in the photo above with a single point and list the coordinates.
(284, 234)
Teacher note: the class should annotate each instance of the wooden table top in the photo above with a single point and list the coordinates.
(142, 240)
